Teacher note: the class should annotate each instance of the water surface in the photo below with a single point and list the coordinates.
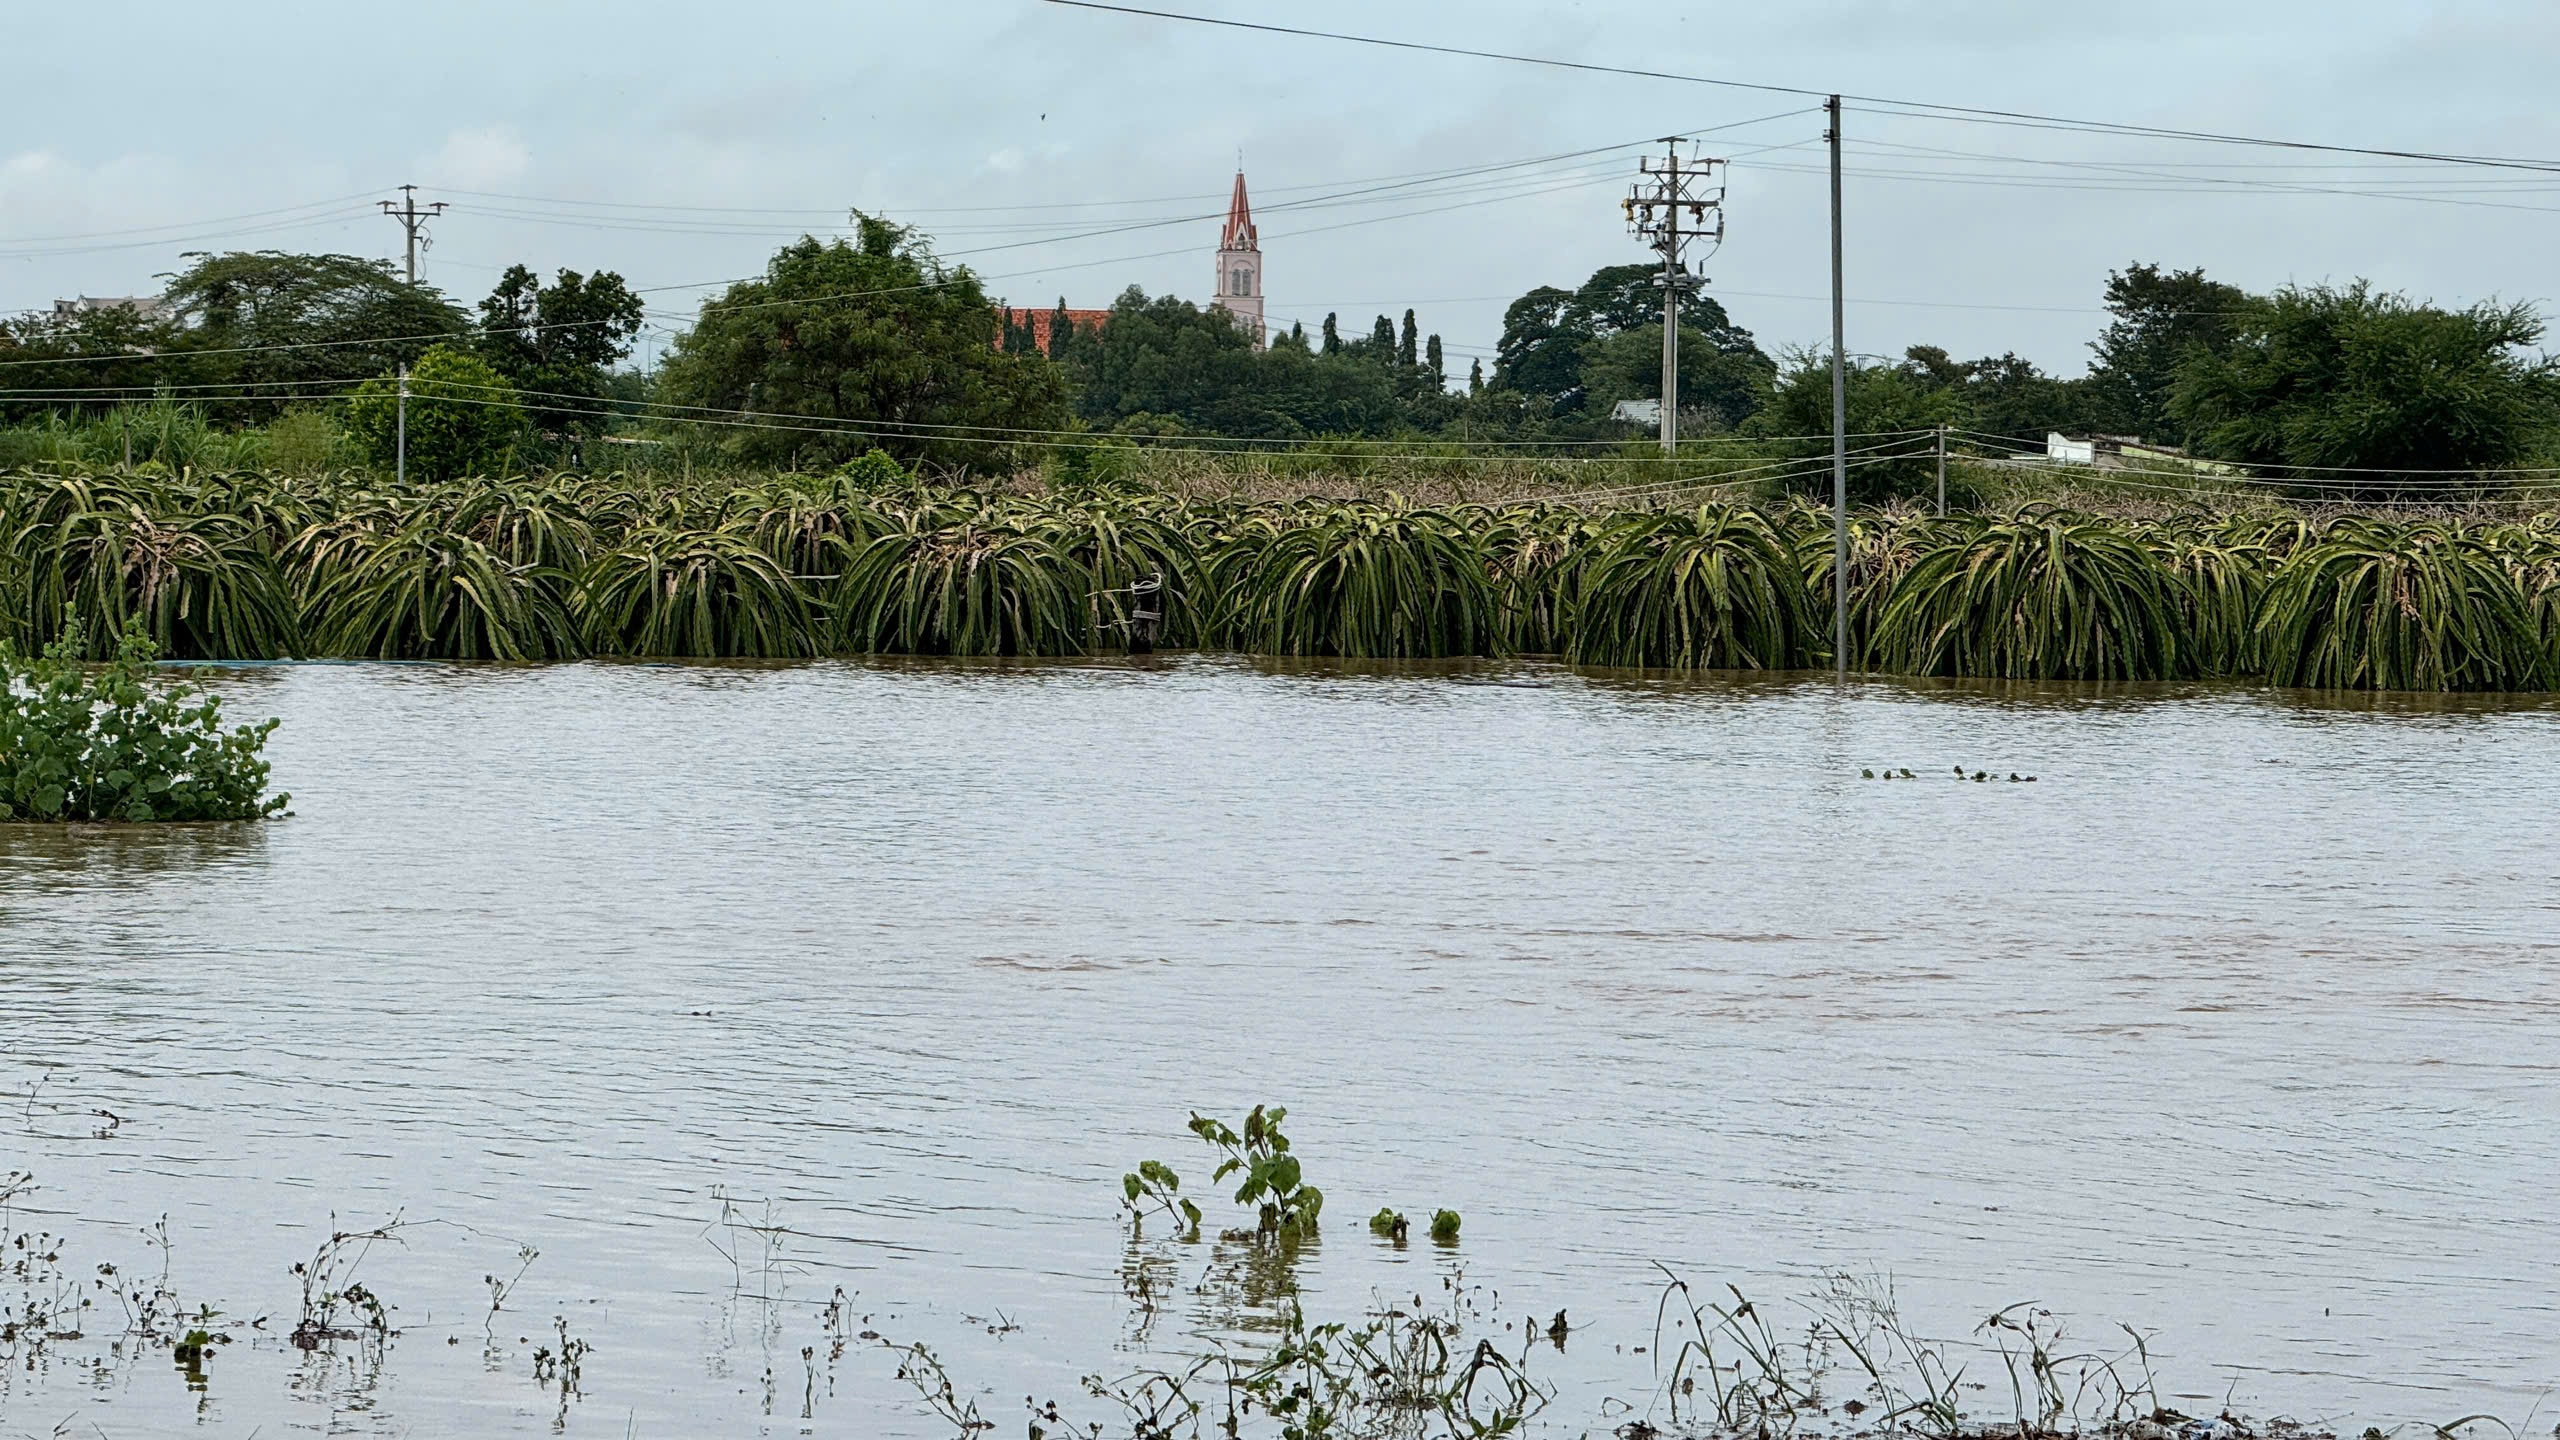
(2240, 1024)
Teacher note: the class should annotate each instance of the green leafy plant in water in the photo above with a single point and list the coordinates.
(1153, 1186)
(1444, 1226)
(1274, 1182)
(1390, 1224)
(103, 743)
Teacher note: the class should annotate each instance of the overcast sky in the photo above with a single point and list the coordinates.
(601, 123)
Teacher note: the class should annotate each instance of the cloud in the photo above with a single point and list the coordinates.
(478, 158)
(1007, 161)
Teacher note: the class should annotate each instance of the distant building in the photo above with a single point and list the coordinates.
(147, 307)
(2123, 452)
(1042, 321)
(1240, 265)
(2061, 449)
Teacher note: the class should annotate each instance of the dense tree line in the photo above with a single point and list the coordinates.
(843, 345)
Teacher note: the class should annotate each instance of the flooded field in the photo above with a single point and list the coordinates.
(725, 990)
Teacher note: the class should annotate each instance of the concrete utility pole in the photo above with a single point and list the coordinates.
(1655, 209)
(400, 446)
(1942, 471)
(1839, 418)
(411, 217)
(411, 220)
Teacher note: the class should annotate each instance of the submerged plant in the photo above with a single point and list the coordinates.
(2421, 607)
(1368, 581)
(698, 593)
(1713, 588)
(1274, 1183)
(108, 743)
(2042, 595)
(1153, 1186)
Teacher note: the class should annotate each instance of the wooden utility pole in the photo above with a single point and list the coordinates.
(1668, 207)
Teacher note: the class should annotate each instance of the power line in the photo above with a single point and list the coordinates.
(1918, 109)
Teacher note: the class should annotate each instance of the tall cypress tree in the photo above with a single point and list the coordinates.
(1404, 342)
(1062, 329)
(1437, 362)
(1475, 375)
(1332, 333)
(1382, 340)
(1297, 334)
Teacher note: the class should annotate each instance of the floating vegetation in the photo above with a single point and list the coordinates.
(871, 560)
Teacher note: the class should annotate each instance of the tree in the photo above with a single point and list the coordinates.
(555, 342)
(2162, 318)
(1163, 362)
(1540, 351)
(1332, 334)
(272, 323)
(1475, 376)
(1382, 341)
(1887, 406)
(2008, 397)
(1437, 363)
(108, 350)
(1550, 335)
(2357, 384)
(463, 416)
(1405, 342)
(874, 331)
(1722, 387)
(1062, 330)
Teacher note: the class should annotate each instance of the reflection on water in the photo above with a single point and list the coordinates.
(794, 1014)
(36, 858)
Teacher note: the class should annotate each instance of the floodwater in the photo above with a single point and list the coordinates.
(728, 988)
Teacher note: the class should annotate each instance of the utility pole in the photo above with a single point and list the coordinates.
(411, 217)
(1839, 418)
(400, 446)
(1942, 470)
(1655, 212)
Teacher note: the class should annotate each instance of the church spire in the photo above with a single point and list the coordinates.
(1239, 234)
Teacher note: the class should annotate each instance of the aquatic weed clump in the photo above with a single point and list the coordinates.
(80, 742)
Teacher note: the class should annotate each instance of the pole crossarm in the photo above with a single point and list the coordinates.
(1672, 205)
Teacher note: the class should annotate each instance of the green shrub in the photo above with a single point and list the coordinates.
(463, 416)
(105, 743)
(306, 441)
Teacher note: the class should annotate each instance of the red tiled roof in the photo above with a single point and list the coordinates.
(1041, 320)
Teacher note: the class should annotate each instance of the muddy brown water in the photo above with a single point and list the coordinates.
(2241, 1025)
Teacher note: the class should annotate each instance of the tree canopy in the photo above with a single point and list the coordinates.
(463, 416)
(874, 329)
(2334, 383)
(316, 320)
(555, 342)
(1582, 350)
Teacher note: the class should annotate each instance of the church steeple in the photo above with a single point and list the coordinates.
(1239, 234)
(1240, 264)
